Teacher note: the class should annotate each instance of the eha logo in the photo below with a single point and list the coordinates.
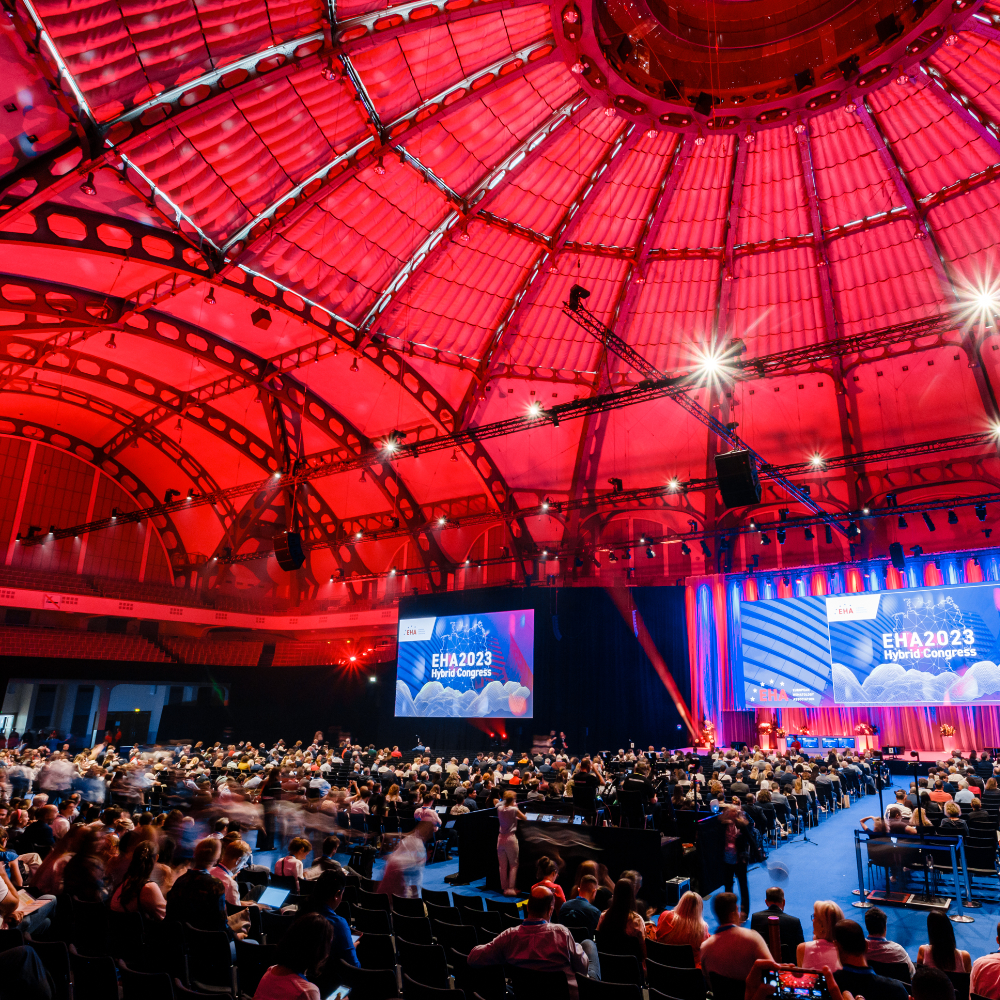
(773, 694)
(852, 607)
(411, 631)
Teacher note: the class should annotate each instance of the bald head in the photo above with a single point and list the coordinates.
(540, 903)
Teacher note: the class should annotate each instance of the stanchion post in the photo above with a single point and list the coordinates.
(862, 903)
(970, 903)
(960, 917)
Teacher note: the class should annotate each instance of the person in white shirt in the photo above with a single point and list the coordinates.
(235, 854)
(360, 804)
(291, 864)
(901, 805)
(964, 794)
(427, 813)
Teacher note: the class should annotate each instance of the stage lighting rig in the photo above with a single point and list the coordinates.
(764, 538)
(170, 494)
(916, 550)
(901, 522)
(576, 293)
(705, 550)
(928, 521)
(615, 484)
(650, 554)
(809, 535)
(980, 510)
(890, 500)
(952, 517)
(685, 551)
(781, 535)
(828, 533)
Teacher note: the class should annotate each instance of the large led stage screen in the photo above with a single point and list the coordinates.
(466, 666)
(931, 646)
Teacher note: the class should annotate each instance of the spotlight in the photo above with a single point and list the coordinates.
(576, 68)
(705, 550)
(87, 187)
(917, 550)
(981, 511)
(362, 479)
(765, 538)
(380, 167)
(545, 503)
(329, 73)
(901, 522)
(928, 521)
(354, 365)
(674, 484)
(649, 552)
(816, 461)
(576, 293)
(110, 343)
(615, 484)
(828, 534)
(454, 455)
(570, 16)
(190, 492)
(210, 298)
(170, 494)
(850, 107)
(685, 551)
(890, 500)
(612, 557)
(952, 517)
(534, 409)
(261, 318)
(781, 534)
(651, 133)
(753, 524)
(114, 513)
(809, 535)
(442, 521)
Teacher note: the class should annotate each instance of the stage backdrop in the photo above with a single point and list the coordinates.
(590, 676)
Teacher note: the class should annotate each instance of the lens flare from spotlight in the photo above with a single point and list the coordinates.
(816, 461)
(535, 409)
(979, 301)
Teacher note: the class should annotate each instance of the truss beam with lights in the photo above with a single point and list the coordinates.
(612, 342)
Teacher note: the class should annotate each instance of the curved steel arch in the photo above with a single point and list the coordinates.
(32, 430)
(207, 418)
(93, 232)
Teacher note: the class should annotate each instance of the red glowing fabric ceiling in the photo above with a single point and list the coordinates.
(421, 194)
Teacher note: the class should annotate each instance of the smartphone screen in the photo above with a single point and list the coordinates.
(798, 983)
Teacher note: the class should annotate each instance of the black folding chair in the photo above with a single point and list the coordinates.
(369, 984)
(374, 900)
(486, 981)
(408, 906)
(594, 989)
(439, 897)
(424, 963)
(473, 903)
(530, 984)
(676, 981)
(376, 951)
(449, 914)
(620, 969)
(370, 921)
(507, 906)
(724, 988)
(413, 990)
(55, 958)
(415, 929)
(892, 970)
(94, 976)
(461, 937)
(252, 961)
(209, 958)
(681, 956)
(144, 985)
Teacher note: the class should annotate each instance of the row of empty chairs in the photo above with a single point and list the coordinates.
(220, 652)
(22, 640)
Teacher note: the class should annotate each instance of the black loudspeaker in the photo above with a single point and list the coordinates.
(888, 28)
(703, 106)
(738, 480)
(804, 79)
(897, 557)
(288, 550)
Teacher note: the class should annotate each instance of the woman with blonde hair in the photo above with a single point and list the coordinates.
(507, 846)
(821, 950)
(684, 924)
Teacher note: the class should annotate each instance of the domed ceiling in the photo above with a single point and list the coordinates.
(334, 243)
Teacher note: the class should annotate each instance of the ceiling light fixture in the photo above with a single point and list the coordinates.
(110, 342)
(87, 187)
(354, 365)
(210, 298)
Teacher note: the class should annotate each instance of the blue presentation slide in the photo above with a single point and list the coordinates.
(927, 646)
(466, 666)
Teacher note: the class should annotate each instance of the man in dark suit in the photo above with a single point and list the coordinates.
(789, 927)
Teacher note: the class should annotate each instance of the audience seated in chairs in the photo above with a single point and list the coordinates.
(879, 948)
(732, 950)
(855, 975)
(580, 912)
(940, 952)
(537, 943)
(789, 927)
(302, 954)
(684, 924)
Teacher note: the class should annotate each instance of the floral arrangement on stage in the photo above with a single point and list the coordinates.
(708, 733)
(946, 730)
(779, 733)
(804, 729)
(864, 729)
(764, 728)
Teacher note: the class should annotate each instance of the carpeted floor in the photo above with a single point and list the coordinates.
(825, 868)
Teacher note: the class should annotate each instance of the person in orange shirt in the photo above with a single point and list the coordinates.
(939, 794)
(684, 924)
(545, 875)
(515, 778)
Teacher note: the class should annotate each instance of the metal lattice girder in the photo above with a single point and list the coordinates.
(365, 31)
(526, 293)
(203, 480)
(679, 394)
(629, 292)
(727, 275)
(326, 525)
(365, 151)
(963, 106)
(71, 228)
(480, 195)
(242, 363)
(132, 484)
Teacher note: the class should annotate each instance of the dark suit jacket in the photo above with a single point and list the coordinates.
(789, 927)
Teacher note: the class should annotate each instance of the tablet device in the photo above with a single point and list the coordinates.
(274, 897)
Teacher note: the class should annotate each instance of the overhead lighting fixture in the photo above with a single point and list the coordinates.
(650, 554)
(354, 365)
(674, 484)
(928, 521)
(685, 551)
(87, 187)
(980, 509)
(901, 522)
(454, 455)
(952, 517)
(809, 535)
(534, 409)
(576, 68)
(210, 298)
(110, 342)
(827, 534)
(705, 550)
(380, 167)
(781, 534)
(765, 538)
(816, 461)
